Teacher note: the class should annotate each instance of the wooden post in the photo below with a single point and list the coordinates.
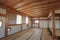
(39, 24)
(6, 26)
(22, 22)
(59, 22)
(53, 24)
(48, 23)
(31, 21)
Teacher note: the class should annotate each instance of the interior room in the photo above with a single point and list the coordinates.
(29, 19)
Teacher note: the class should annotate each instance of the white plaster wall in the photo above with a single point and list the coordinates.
(57, 24)
(35, 25)
(43, 23)
(24, 26)
(14, 29)
(2, 29)
(12, 20)
(50, 23)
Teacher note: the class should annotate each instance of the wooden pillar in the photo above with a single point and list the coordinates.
(6, 26)
(39, 23)
(21, 27)
(59, 22)
(53, 24)
(31, 22)
(22, 22)
(48, 23)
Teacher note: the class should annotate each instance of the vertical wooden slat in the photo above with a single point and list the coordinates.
(6, 26)
(31, 22)
(48, 23)
(21, 23)
(53, 24)
(39, 23)
(59, 22)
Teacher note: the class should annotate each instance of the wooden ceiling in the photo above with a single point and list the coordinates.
(33, 8)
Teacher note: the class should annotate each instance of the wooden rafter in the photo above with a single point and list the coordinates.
(24, 1)
(38, 2)
(4, 15)
(52, 5)
(6, 25)
(13, 10)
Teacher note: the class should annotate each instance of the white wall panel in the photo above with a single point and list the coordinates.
(24, 26)
(35, 25)
(57, 24)
(2, 29)
(14, 29)
(43, 23)
(50, 23)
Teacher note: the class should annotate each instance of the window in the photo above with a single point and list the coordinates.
(0, 23)
(19, 17)
(27, 20)
(36, 21)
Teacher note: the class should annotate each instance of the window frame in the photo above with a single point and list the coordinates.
(36, 22)
(27, 18)
(20, 19)
(1, 23)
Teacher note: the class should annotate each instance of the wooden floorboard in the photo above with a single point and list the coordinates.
(30, 34)
(46, 35)
(36, 35)
(58, 32)
(16, 35)
(26, 35)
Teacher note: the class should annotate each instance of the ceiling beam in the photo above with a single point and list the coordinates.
(46, 5)
(37, 4)
(39, 14)
(13, 10)
(17, 3)
(26, 2)
(42, 7)
(57, 14)
(4, 15)
(37, 7)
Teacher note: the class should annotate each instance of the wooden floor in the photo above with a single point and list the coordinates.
(58, 32)
(46, 35)
(30, 34)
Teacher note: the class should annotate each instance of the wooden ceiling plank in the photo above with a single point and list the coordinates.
(37, 4)
(13, 10)
(26, 2)
(43, 7)
(40, 6)
(16, 3)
